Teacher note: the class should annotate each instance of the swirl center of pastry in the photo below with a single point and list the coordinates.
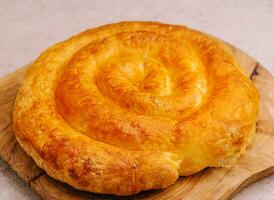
(142, 72)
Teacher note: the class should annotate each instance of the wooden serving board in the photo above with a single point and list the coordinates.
(210, 184)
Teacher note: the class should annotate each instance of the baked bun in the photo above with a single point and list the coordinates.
(132, 106)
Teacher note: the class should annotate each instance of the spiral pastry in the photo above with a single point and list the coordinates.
(132, 106)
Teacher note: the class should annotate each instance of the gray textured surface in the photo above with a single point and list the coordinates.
(28, 27)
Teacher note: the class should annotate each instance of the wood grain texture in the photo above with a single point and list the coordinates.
(212, 183)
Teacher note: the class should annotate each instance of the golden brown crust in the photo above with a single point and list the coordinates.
(131, 106)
